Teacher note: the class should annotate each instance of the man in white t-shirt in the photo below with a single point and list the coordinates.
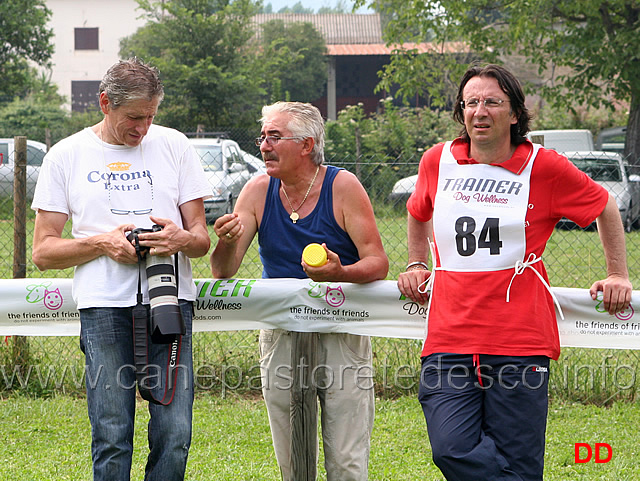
(118, 175)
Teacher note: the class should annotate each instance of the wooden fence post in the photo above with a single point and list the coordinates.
(21, 344)
(20, 208)
(304, 406)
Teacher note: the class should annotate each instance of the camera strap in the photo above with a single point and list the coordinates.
(141, 350)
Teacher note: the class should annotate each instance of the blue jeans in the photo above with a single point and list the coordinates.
(486, 419)
(106, 338)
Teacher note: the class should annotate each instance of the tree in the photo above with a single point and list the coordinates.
(23, 36)
(298, 53)
(201, 48)
(40, 114)
(214, 69)
(340, 7)
(297, 8)
(587, 50)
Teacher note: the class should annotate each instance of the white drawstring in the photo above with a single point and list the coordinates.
(429, 281)
(520, 268)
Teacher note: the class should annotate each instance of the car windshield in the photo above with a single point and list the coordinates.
(34, 156)
(600, 171)
(211, 157)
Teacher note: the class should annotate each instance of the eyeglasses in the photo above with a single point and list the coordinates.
(127, 212)
(274, 139)
(489, 103)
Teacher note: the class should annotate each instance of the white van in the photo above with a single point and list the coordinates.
(35, 154)
(563, 140)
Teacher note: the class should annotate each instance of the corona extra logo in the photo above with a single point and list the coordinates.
(119, 166)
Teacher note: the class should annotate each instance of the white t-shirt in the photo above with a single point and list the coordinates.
(85, 178)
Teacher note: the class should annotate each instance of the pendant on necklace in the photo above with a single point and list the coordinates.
(294, 216)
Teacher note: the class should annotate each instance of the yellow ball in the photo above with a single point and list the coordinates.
(314, 255)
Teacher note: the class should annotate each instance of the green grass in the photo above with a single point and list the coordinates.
(50, 440)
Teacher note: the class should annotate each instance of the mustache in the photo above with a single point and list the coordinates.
(269, 157)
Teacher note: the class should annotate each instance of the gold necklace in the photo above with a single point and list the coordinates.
(294, 216)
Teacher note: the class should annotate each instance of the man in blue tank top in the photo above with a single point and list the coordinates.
(300, 201)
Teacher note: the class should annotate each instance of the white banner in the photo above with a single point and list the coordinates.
(44, 307)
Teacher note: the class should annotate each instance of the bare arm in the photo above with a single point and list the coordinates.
(194, 222)
(355, 214)
(51, 251)
(241, 227)
(418, 235)
(616, 288)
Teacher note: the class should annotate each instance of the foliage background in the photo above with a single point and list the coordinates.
(23, 37)
(585, 51)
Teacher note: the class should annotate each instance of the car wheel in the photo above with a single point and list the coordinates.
(635, 223)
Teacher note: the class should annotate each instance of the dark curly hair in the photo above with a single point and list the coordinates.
(510, 86)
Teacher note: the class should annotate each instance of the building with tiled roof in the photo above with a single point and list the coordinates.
(356, 53)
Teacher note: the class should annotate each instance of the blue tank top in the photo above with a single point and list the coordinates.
(281, 241)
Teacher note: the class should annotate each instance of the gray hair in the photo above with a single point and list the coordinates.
(306, 122)
(131, 80)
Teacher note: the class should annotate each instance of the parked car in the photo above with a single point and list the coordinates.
(35, 153)
(612, 140)
(402, 189)
(606, 168)
(255, 164)
(227, 171)
(610, 171)
(566, 140)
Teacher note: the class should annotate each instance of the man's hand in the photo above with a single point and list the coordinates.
(166, 242)
(115, 245)
(331, 271)
(228, 228)
(616, 293)
(412, 282)
(163, 242)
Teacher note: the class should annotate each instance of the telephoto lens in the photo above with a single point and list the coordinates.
(166, 319)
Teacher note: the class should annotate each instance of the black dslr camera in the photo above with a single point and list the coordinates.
(166, 319)
(133, 237)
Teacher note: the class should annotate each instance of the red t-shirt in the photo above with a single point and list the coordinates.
(469, 313)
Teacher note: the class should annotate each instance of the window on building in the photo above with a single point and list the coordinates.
(84, 95)
(86, 38)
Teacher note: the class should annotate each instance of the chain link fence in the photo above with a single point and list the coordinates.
(228, 361)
